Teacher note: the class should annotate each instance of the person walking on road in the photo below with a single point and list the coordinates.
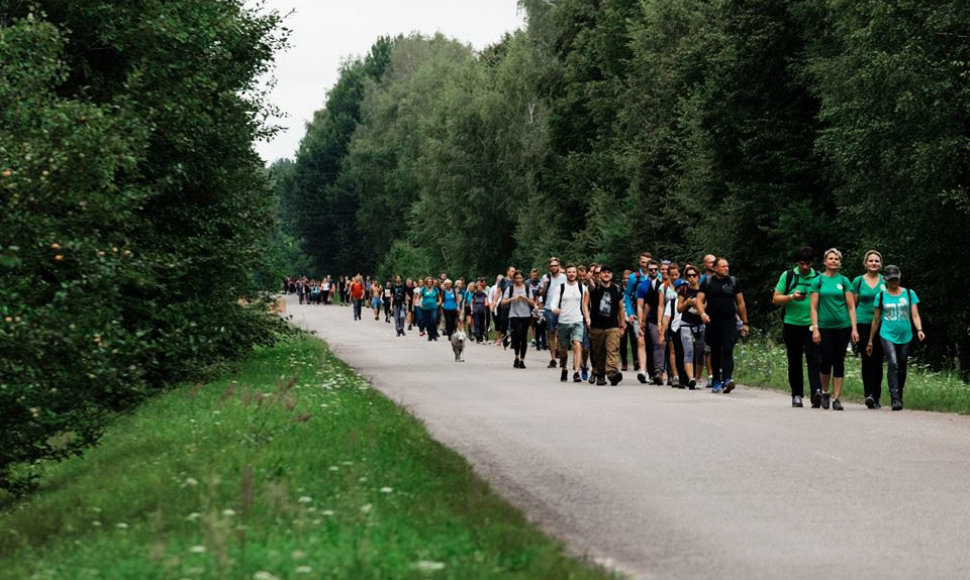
(399, 304)
(357, 295)
(833, 324)
(550, 283)
(519, 302)
(791, 293)
(450, 301)
(865, 288)
(720, 302)
(606, 317)
(570, 309)
(895, 315)
(430, 302)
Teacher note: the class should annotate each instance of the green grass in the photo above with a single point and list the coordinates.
(291, 468)
(761, 362)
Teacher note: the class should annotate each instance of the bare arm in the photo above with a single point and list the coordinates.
(918, 322)
(876, 321)
(816, 335)
(743, 312)
(850, 303)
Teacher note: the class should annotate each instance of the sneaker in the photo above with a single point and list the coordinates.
(716, 387)
(878, 406)
(422, 333)
(584, 373)
(642, 378)
(624, 368)
(576, 378)
(515, 364)
(615, 377)
(564, 375)
(870, 402)
(409, 327)
(836, 405)
(592, 379)
(600, 381)
(816, 400)
(636, 367)
(521, 364)
(675, 382)
(796, 401)
(897, 404)
(692, 384)
(710, 381)
(552, 364)
(728, 386)
(658, 378)
(825, 400)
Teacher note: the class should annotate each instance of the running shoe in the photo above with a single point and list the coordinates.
(615, 377)
(576, 378)
(552, 364)
(897, 404)
(826, 397)
(870, 402)
(564, 375)
(584, 372)
(601, 381)
(658, 378)
(716, 387)
(836, 405)
(796, 401)
(816, 400)
(642, 378)
(692, 384)
(728, 386)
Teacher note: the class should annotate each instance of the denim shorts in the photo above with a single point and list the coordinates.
(552, 320)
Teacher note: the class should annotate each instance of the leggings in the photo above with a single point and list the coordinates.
(834, 341)
(722, 336)
(451, 316)
(673, 338)
(520, 335)
(871, 364)
(798, 342)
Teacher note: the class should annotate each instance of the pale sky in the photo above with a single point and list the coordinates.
(326, 32)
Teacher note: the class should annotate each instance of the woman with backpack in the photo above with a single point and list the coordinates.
(894, 317)
(520, 302)
(865, 288)
(833, 324)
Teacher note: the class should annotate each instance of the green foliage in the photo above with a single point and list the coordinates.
(136, 211)
(291, 467)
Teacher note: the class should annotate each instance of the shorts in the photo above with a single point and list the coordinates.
(552, 320)
(570, 332)
(375, 302)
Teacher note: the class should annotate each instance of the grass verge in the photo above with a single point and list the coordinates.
(761, 362)
(291, 468)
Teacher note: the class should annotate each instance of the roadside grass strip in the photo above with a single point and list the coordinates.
(763, 363)
(293, 467)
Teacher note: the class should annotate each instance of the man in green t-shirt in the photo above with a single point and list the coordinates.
(791, 293)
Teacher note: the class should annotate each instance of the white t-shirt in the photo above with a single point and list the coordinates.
(571, 310)
(670, 307)
(552, 292)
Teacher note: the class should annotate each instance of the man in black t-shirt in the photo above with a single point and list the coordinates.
(720, 302)
(606, 318)
(399, 303)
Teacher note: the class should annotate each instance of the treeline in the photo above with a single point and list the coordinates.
(135, 210)
(743, 128)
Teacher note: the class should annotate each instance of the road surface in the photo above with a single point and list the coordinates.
(663, 483)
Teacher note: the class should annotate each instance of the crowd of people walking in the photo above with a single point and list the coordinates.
(679, 325)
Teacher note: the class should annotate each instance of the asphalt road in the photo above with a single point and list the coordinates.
(664, 483)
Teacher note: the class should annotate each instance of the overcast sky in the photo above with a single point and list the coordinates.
(326, 32)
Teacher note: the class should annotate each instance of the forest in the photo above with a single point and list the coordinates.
(743, 128)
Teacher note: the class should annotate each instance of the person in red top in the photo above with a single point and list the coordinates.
(357, 295)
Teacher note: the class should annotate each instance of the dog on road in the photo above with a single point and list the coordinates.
(458, 344)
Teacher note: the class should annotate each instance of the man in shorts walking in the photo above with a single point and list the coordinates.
(550, 284)
(570, 309)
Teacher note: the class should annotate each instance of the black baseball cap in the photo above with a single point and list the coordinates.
(892, 273)
(606, 268)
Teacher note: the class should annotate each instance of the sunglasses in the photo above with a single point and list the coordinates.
(652, 270)
(692, 275)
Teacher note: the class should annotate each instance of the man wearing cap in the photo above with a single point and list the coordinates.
(606, 317)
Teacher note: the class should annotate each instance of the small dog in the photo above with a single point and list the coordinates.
(458, 344)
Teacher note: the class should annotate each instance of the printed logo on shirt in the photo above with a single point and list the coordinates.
(606, 304)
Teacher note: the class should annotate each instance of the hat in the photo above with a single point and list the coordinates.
(606, 268)
(891, 273)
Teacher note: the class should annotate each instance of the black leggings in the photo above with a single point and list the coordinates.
(520, 335)
(871, 364)
(450, 317)
(722, 336)
(834, 341)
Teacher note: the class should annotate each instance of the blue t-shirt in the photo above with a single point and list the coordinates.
(450, 301)
(896, 324)
(648, 292)
(429, 298)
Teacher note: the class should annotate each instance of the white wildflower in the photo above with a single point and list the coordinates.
(197, 549)
(121, 526)
(264, 575)
(305, 499)
(191, 482)
(304, 570)
(428, 566)
(298, 555)
(366, 508)
(228, 512)
(327, 512)
(386, 490)
(193, 516)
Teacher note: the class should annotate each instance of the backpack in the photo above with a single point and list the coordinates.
(562, 288)
(507, 293)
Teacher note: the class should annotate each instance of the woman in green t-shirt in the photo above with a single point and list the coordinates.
(895, 314)
(865, 288)
(833, 324)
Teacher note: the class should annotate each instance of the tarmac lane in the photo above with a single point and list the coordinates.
(668, 483)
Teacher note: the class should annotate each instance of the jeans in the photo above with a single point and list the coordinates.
(399, 312)
(430, 325)
(655, 351)
(871, 364)
(357, 307)
(897, 356)
(479, 324)
(798, 340)
(722, 336)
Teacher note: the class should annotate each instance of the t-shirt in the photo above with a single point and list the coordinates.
(449, 299)
(604, 306)
(833, 310)
(518, 308)
(649, 292)
(797, 312)
(690, 316)
(896, 324)
(429, 298)
(670, 306)
(398, 291)
(356, 290)
(478, 301)
(552, 284)
(720, 295)
(571, 306)
(865, 297)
